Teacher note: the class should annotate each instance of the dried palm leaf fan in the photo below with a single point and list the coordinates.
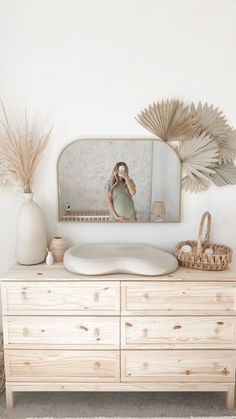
(224, 174)
(210, 119)
(204, 255)
(227, 147)
(169, 120)
(198, 157)
(213, 122)
(206, 143)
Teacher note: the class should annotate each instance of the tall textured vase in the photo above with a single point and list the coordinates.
(31, 241)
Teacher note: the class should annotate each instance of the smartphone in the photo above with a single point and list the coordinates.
(121, 169)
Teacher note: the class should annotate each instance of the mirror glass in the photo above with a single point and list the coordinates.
(102, 180)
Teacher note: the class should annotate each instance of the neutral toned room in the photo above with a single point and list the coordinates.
(117, 209)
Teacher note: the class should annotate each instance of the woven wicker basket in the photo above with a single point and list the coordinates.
(216, 259)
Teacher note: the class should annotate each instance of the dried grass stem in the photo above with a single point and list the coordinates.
(20, 151)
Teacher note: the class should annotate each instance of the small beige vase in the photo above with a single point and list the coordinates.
(31, 239)
(58, 247)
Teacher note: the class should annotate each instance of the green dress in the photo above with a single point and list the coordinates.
(123, 203)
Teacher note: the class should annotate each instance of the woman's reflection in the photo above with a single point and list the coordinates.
(120, 189)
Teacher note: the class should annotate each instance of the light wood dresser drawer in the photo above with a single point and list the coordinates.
(77, 332)
(192, 365)
(53, 365)
(178, 332)
(152, 298)
(63, 297)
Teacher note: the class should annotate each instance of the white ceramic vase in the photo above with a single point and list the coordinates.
(49, 258)
(31, 241)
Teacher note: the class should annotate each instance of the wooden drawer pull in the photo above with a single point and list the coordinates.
(97, 333)
(96, 297)
(24, 295)
(187, 372)
(97, 365)
(27, 364)
(128, 324)
(25, 332)
(145, 297)
(220, 323)
(145, 332)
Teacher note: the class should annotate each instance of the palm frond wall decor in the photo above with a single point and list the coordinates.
(206, 142)
(169, 120)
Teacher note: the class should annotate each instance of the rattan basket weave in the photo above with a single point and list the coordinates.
(216, 259)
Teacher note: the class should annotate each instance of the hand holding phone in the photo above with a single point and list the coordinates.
(121, 170)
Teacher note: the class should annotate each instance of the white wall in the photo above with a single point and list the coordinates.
(166, 182)
(88, 67)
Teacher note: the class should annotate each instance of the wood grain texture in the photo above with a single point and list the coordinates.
(52, 298)
(230, 397)
(13, 387)
(178, 332)
(150, 298)
(192, 365)
(54, 365)
(58, 273)
(85, 386)
(77, 332)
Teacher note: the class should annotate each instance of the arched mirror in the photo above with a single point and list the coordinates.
(119, 180)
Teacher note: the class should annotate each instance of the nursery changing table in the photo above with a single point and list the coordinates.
(66, 332)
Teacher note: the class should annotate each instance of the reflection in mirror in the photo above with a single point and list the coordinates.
(119, 181)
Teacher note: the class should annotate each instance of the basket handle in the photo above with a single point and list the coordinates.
(208, 231)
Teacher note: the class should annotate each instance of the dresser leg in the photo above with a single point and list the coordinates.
(9, 397)
(230, 395)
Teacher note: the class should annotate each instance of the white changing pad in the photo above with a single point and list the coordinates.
(107, 258)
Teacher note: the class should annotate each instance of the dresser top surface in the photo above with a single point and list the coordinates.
(57, 272)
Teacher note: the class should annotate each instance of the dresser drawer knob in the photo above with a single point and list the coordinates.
(97, 365)
(145, 297)
(27, 364)
(24, 295)
(25, 332)
(145, 332)
(225, 371)
(96, 297)
(96, 332)
(127, 324)
(187, 372)
(220, 323)
(177, 326)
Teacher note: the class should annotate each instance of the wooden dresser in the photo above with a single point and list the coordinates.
(65, 332)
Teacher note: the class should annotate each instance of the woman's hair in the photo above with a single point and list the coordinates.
(114, 176)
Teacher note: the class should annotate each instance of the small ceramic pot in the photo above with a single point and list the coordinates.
(58, 247)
